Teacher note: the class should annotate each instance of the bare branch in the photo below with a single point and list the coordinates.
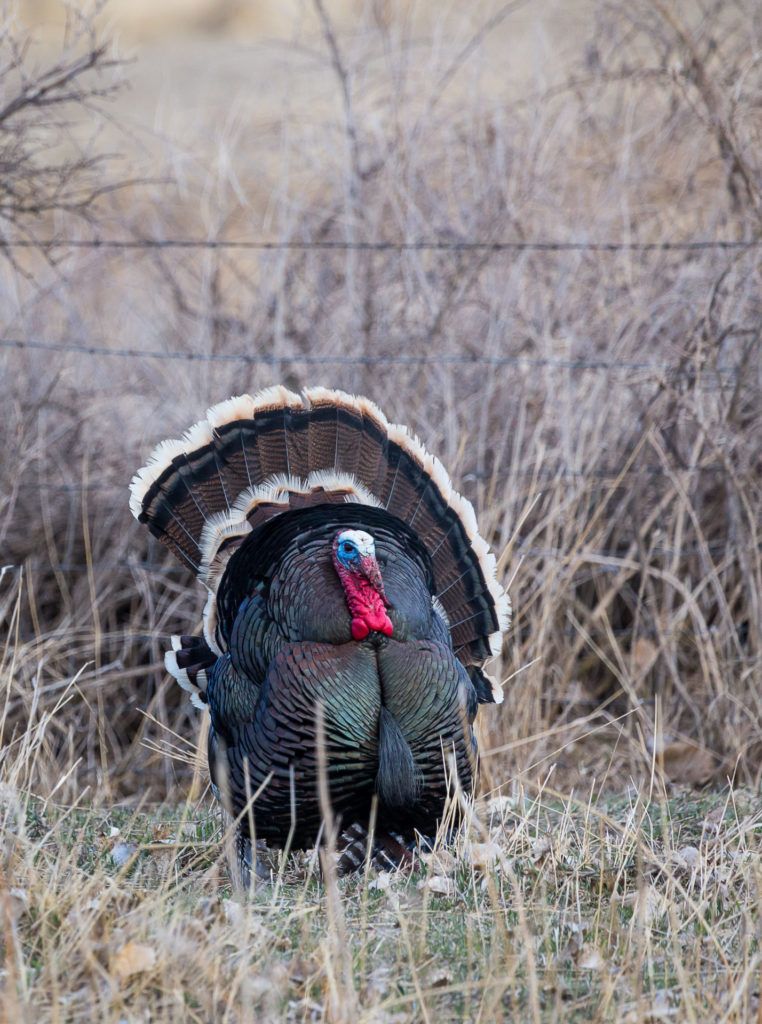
(43, 168)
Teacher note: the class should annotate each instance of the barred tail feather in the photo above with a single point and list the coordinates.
(253, 457)
(388, 852)
(189, 661)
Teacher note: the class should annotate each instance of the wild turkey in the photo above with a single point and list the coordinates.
(347, 582)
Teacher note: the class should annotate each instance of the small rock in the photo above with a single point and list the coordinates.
(441, 862)
(688, 857)
(438, 884)
(122, 853)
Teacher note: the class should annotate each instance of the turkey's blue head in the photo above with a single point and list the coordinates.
(354, 558)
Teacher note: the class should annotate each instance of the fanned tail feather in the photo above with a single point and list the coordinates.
(388, 851)
(189, 661)
(254, 457)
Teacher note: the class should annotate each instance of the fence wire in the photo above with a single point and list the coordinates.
(723, 376)
(708, 377)
(548, 474)
(425, 245)
(600, 555)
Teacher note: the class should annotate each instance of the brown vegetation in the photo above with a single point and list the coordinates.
(601, 406)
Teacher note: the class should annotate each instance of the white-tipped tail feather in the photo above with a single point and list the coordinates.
(195, 687)
(253, 457)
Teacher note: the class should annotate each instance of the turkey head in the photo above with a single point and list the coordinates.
(354, 558)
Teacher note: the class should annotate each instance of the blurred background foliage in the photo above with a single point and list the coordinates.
(501, 223)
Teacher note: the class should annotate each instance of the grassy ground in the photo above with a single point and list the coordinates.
(584, 908)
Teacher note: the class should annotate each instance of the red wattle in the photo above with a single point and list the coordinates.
(366, 604)
(386, 626)
(360, 629)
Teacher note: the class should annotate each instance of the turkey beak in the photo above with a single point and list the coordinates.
(370, 570)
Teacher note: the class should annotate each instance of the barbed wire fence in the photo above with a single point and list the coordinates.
(723, 375)
(705, 376)
(153, 564)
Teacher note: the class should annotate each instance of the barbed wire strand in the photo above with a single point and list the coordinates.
(549, 474)
(522, 551)
(729, 373)
(432, 245)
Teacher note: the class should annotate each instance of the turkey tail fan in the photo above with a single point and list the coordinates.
(187, 483)
(252, 458)
(189, 661)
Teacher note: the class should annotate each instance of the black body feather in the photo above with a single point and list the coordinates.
(279, 653)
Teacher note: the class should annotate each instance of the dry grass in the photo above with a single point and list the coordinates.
(637, 907)
(612, 450)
